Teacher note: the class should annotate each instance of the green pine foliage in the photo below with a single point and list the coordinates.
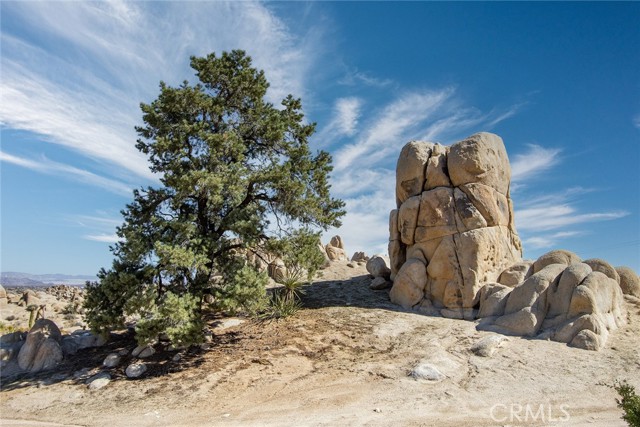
(629, 402)
(236, 174)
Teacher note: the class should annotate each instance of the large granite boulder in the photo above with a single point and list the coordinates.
(454, 251)
(458, 222)
(41, 350)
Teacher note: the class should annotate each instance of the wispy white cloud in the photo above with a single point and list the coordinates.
(536, 160)
(76, 174)
(355, 77)
(551, 217)
(636, 121)
(545, 241)
(103, 238)
(110, 56)
(399, 121)
(343, 122)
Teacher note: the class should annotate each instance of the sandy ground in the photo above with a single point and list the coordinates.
(343, 360)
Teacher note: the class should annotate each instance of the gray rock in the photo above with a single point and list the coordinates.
(135, 370)
(426, 371)
(488, 345)
(146, 352)
(379, 283)
(111, 361)
(98, 381)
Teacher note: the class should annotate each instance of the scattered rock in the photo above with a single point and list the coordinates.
(176, 357)
(335, 249)
(488, 345)
(81, 373)
(98, 381)
(145, 349)
(426, 371)
(377, 267)
(360, 257)
(111, 361)
(379, 283)
(147, 352)
(135, 370)
(41, 350)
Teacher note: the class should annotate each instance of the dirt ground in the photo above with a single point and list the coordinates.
(343, 360)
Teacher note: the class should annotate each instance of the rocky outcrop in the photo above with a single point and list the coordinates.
(454, 223)
(577, 304)
(455, 251)
(335, 250)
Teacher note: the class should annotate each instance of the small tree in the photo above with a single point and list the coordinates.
(236, 174)
(629, 402)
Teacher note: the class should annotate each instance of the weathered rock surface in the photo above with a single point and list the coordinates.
(629, 281)
(335, 249)
(457, 223)
(377, 267)
(455, 251)
(3, 297)
(41, 350)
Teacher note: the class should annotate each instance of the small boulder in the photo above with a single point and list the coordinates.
(111, 361)
(135, 370)
(98, 381)
(426, 371)
(359, 257)
(379, 283)
(377, 267)
(41, 350)
(488, 345)
(629, 281)
(147, 352)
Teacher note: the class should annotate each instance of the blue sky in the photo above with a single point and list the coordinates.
(559, 82)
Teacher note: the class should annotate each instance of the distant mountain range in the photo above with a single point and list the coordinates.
(12, 279)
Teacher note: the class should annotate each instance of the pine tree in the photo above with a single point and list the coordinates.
(237, 174)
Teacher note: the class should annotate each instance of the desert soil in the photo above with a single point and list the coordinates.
(343, 360)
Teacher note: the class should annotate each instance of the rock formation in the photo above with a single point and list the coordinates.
(335, 250)
(454, 251)
(41, 351)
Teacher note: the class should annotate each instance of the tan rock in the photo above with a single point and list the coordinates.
(629, 281)
(481, 158)
(492, 205)
(41, 350)
(394, 233)
(603, 267)
(408, 286)
(483, 254)
(407, 219)
(470, 216)
(377, 267)
(493, 299)
(516, 273)
(555, 257)
(397, 256)
(437, 174)
(410, 169)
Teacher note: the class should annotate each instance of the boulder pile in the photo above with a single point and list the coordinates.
(454, 251)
